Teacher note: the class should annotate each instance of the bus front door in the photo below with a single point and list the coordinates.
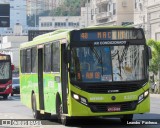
(64, 79)
(40, 79)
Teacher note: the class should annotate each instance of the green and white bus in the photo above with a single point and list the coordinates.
(90, 72)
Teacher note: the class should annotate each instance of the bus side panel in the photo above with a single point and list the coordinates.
(25, 89)
(29, 84)
(50, 90)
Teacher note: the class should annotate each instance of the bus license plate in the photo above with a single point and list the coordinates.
(114, 108)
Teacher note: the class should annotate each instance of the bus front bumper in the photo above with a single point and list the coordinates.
(80, 109)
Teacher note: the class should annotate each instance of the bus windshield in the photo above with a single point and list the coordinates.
(4, 70)
(107, 63)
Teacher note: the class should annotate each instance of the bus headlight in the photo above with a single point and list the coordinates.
(79, 98)
(146, 93)
(75, 96)
(143, 96)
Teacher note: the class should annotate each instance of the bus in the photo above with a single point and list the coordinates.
(5, 75)
(90, 72)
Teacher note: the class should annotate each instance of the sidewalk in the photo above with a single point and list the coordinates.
(155, 95)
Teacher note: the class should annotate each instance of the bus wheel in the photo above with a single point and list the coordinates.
(59, 111)
(126, 118)
(36, 114)
(5, 96)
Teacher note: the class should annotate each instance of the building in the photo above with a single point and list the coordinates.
(17, 15)
(111, 12)
(60, 22)
(35, 7)
(154, 19)
(140, 15)
(10, 45)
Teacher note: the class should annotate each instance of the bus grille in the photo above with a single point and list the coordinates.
(2, 89)
(102, 107)
(112, 88)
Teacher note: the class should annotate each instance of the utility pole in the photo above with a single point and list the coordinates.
(87, 13)
(148, 26)
(35, 14)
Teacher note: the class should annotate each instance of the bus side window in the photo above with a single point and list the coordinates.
(23, 60)
(34, 60)
(47, 58)
(56, 57)
(28, 61)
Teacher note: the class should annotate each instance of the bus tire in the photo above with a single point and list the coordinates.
(5, 96)
(59, 112)
(36, 113)
(126, 118)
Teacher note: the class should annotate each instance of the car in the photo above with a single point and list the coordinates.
(15, 86)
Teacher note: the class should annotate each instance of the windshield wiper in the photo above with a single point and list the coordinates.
(96, 54)
(121, 59)
(99, 58)
(124, 52)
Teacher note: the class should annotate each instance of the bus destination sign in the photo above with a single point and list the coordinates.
(86, 36)
(104, 35)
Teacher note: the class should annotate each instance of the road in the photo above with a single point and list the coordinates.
(13, 109)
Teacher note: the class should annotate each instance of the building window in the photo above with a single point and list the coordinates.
(42, 24)
(96, 11)
(114, 8)
(61, 24)
(77, 23)
(56, 24)
(70, 24)
(109, 6)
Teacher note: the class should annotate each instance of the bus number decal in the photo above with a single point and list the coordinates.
(129, 97)
(84, 35)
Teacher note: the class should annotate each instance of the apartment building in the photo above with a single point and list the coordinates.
(112, 12)
(154, 19)
(60, 22)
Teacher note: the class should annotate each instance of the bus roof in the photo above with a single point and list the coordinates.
(108, 27)
(60, 34)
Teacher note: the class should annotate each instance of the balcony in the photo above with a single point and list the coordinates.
(103, 15)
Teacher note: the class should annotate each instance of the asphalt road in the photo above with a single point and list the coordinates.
(13, 109)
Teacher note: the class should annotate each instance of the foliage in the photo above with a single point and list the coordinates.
(68, 8)
(155, 62)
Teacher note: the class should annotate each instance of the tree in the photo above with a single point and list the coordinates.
(155, 62)
(68, 8)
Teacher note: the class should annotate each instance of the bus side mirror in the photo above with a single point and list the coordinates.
(67, 56)
(12, 67)
(149, 52)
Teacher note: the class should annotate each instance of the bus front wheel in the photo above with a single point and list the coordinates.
(36, 114)
(59, 111)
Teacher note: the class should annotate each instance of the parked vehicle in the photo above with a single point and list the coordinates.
(15, 86)
(6, 69)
